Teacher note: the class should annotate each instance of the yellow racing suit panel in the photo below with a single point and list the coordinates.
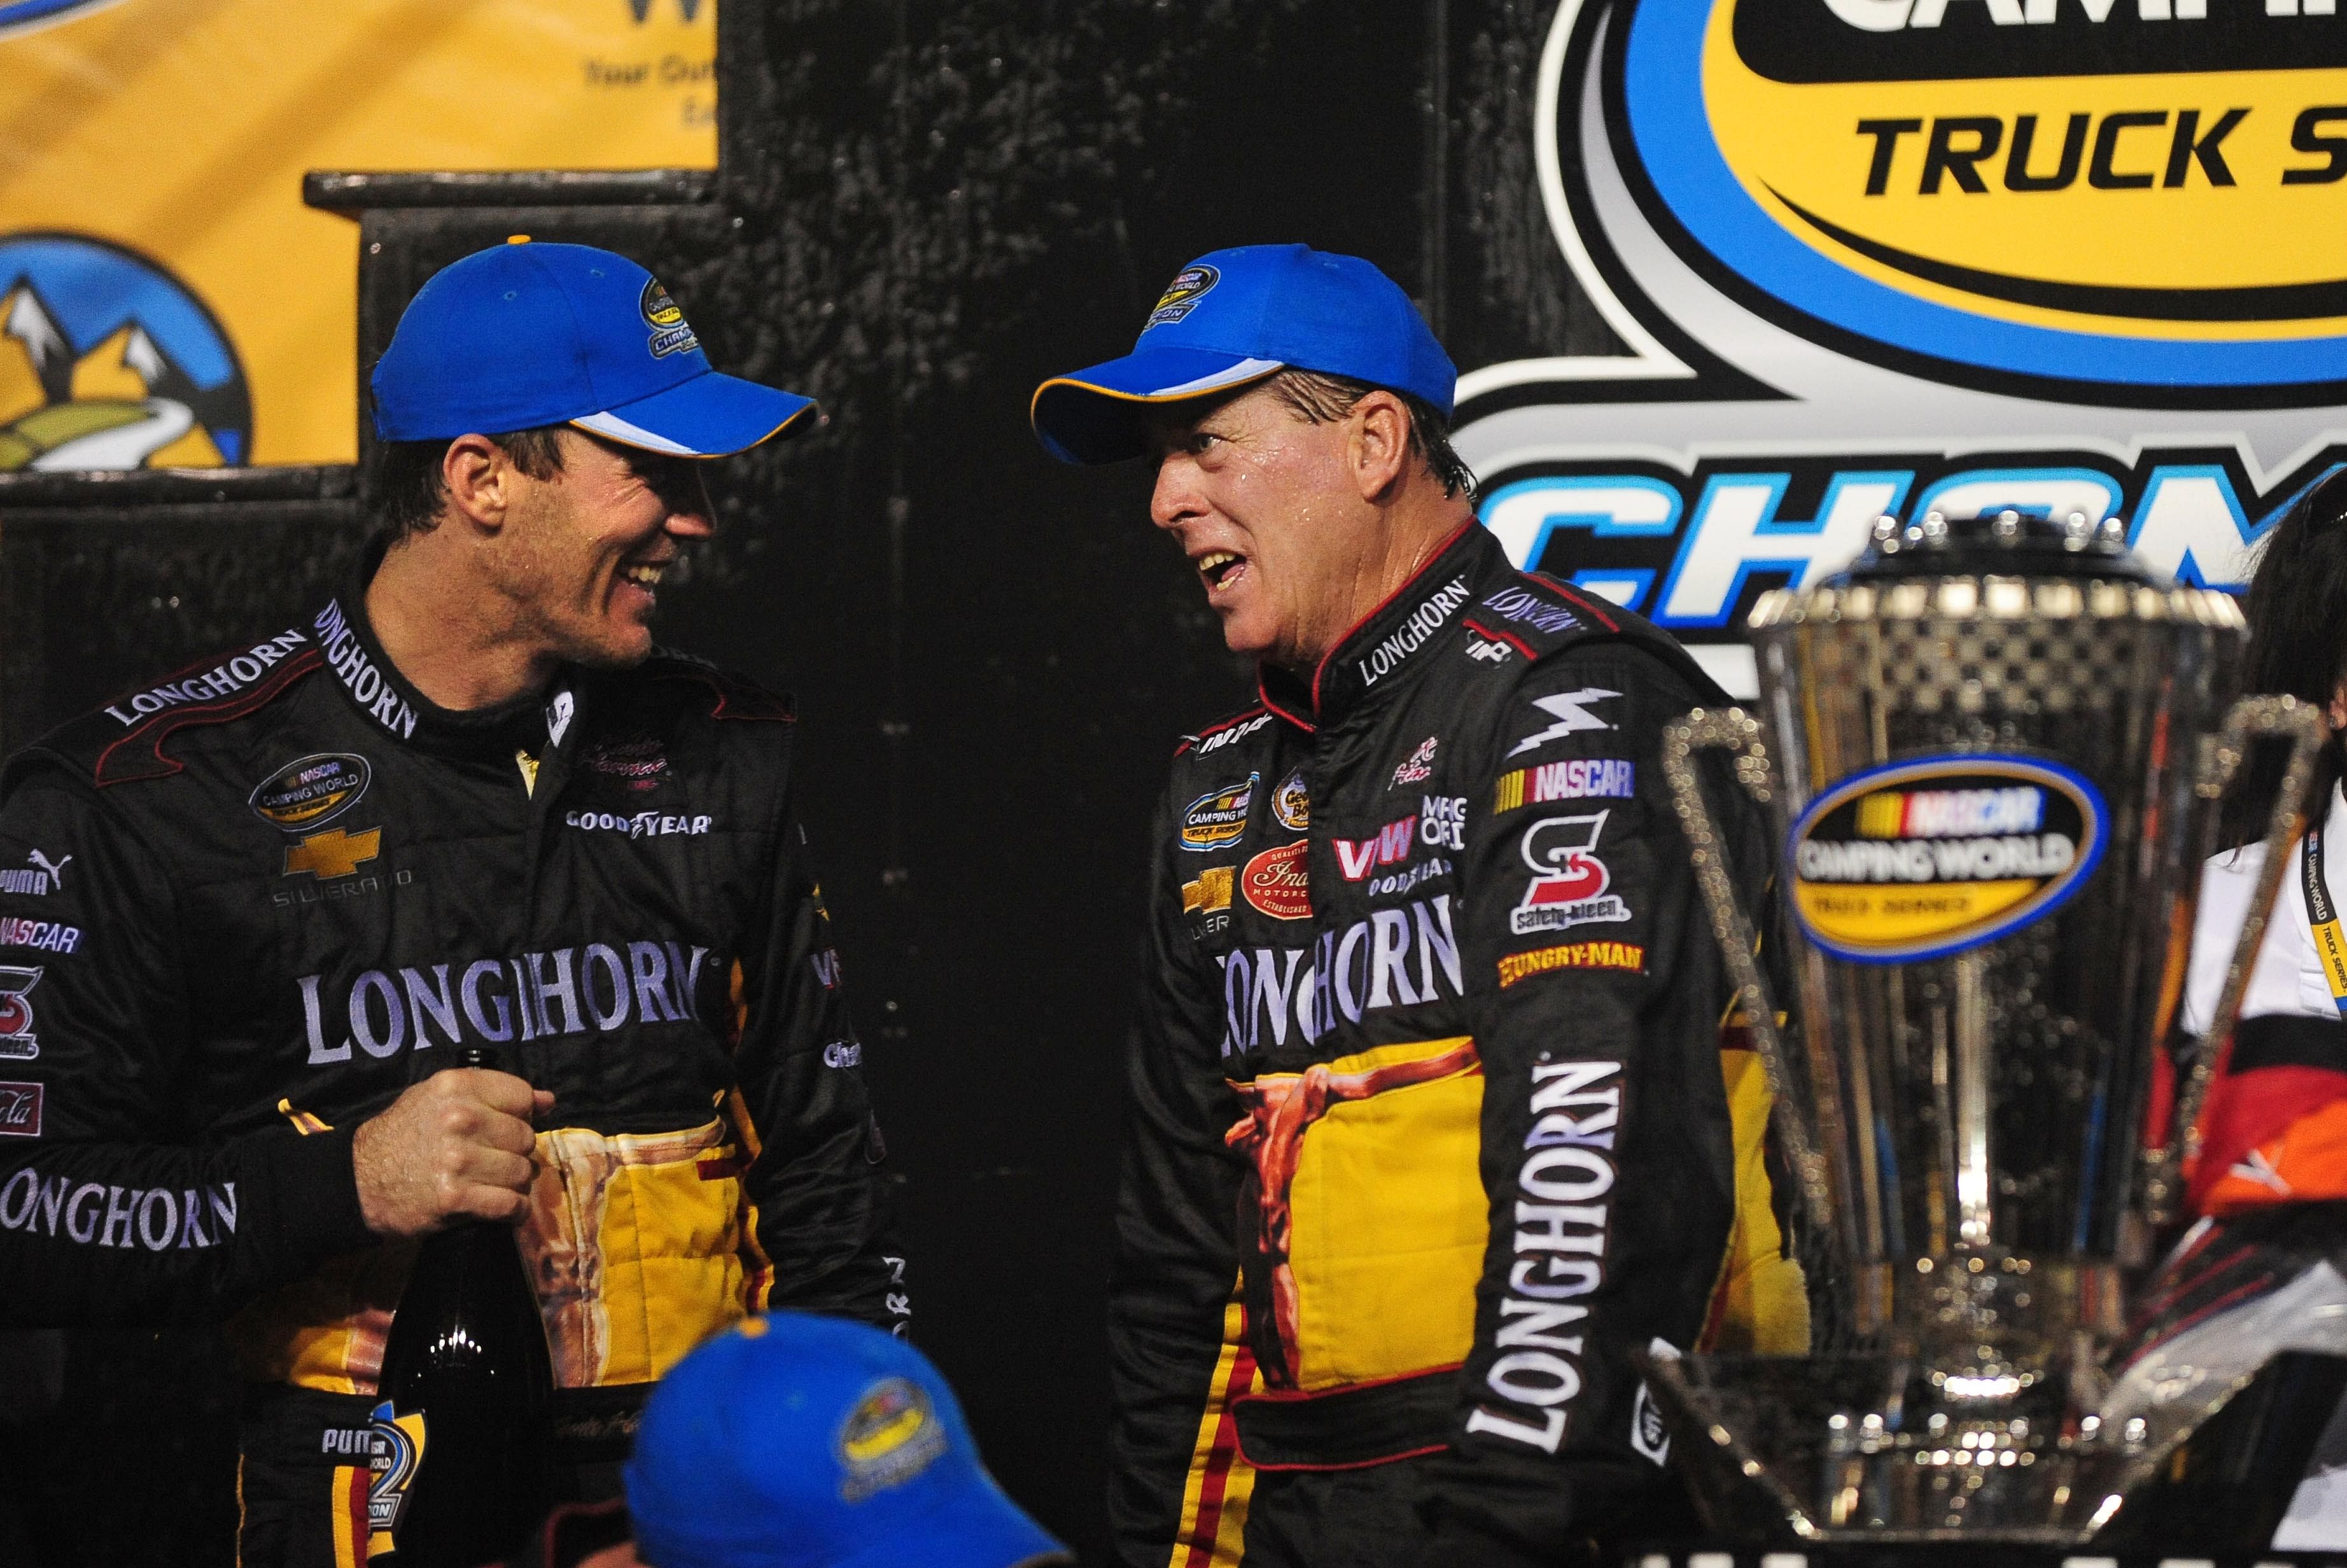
(1391, 1222)
(1762, 1307)
(634, 1244)
(325, 1331)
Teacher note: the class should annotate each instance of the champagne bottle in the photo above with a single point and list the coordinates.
(468, 1393)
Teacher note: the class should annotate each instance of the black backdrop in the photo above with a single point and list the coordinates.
(922, 210)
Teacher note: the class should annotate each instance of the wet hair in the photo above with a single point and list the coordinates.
(409, 489)
(2297, 611)
(1319, 399)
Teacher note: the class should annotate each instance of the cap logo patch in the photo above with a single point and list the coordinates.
(1181, 295)
(662, 314)
(891, 1435)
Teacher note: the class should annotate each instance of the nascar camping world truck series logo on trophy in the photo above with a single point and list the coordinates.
(1893, 256)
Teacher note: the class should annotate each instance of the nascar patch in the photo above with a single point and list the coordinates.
(1596, 778)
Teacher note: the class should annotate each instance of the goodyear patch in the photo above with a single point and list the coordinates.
(311, 791)
(1218, 817)
(1181, 295)
(1923, 859)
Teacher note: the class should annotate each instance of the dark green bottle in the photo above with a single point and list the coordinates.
(467, 1352)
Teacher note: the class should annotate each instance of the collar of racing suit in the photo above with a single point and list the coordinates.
(372, 683)
(1374, 658)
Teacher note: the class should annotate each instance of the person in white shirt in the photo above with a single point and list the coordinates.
(2263, 1269)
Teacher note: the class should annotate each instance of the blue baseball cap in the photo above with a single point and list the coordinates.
(798, 1441)
(1236, 316)
(523, 335)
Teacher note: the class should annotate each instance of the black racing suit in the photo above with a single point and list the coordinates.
(1428, 1132)
(243, 909)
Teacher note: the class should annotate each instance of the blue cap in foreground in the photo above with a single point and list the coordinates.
(797, 1441)
(1232, 317)
(523, 335)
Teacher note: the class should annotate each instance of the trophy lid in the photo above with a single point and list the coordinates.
(2006, 543)
(2003, 566)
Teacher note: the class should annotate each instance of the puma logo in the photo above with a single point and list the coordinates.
(56, 868)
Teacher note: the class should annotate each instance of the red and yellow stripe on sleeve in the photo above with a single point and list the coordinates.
(352, 1532)
(1213, 1530)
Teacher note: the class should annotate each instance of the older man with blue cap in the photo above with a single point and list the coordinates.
(463, 804)
(1428, 1139)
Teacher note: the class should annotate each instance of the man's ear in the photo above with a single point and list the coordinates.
(1379, 445)
(2338, 713)
(478, 476)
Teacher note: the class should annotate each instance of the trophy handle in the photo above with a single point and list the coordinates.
(1733, 730)
(2249, 718)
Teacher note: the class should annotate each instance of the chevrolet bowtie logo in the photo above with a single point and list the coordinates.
(334, 854)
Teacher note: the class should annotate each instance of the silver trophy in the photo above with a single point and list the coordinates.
(1992, 749)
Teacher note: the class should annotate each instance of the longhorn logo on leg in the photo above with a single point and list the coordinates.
(1569, 882)
(17, 1041)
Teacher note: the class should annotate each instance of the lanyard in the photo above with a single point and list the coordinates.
(2330, 941)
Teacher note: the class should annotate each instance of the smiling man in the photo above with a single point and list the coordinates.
(1428, 1135)
(464, 804)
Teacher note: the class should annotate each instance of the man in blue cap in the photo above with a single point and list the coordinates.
(796, 1441)
(1432, 1007)
(804, 1442)
(463, 804)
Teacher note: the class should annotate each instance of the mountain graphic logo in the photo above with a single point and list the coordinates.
(108, 361)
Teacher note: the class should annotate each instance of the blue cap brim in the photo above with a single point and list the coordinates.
(1101, 415)
(975, 1526)
(712, 415)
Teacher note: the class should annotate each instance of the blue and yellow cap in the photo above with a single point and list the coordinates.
(1236, 316)
(524, 335)
(798, 1441)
